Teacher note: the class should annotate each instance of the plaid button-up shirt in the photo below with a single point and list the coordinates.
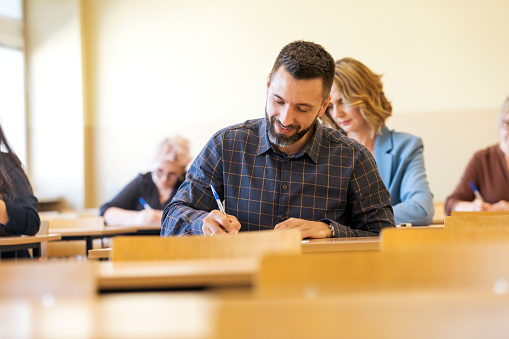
(333, 179)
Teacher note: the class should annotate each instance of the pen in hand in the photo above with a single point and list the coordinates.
(144, 203)
(477, 194)
(221, 207)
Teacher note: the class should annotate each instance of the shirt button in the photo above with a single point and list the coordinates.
(285, 186)
(282, 216)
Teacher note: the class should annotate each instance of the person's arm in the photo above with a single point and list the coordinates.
(4, 217)
(501, 205)
(21, 216)
(121, 217)
(462, 199)
(125, 210)
(369, 204)
(416, 206)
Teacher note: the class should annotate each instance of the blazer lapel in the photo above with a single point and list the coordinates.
(383, 157)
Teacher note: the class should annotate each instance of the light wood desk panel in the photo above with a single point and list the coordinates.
(176, 273)
(26, 242)
(421, 314)
(341, 244)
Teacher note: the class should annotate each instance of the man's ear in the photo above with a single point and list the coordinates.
(268, 83)
(324, 106)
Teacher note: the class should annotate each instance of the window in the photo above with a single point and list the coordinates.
(12, 88)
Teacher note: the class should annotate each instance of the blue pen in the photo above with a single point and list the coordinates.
(221, 207)
(477, 194)
(144, 203)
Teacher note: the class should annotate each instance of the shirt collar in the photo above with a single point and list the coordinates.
(311, 149)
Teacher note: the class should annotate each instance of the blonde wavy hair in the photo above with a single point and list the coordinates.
(503, 112)
(360, 87)
(174, 149)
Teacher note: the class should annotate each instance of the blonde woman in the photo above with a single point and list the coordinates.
(359, 108)
(142, 201)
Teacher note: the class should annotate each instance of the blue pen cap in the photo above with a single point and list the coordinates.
(215, 193)
(473, 186)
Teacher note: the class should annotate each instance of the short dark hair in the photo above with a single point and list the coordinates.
(306, 60)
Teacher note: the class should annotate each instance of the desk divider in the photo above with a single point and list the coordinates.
(476, 267)
(242, 245)
(480, 213)
(477, 222)
(47, 281)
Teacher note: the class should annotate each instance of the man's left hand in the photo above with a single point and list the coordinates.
(309, 229)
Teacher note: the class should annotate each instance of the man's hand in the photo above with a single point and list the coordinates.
(309, 229)
(216, 223)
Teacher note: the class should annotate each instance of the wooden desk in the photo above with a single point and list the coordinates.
(191, 315)
(100, 253)
(341, 244)
(26, 242)
(89, 234)
(141, 230)
(176, 274)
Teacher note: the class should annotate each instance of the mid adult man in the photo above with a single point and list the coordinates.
(285, 170)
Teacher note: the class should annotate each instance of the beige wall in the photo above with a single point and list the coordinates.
(158, 67)
(55, 105)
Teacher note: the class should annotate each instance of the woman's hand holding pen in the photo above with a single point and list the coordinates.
(218, 223)
(149, 217)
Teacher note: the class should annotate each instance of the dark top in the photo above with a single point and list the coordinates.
(488, 171)
(141, 186)
(333, 179)
(22, 212)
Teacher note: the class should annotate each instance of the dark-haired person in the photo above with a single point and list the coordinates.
(359, 108)
(18, 206)
(488, 170)
(286, 170)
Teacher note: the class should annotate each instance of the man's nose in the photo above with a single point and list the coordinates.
(286, 116)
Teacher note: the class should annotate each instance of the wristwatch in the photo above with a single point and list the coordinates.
(331, 227)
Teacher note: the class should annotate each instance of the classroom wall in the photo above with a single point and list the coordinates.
(55, 100)
(158, 67)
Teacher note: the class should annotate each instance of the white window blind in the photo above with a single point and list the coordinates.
(11, 23)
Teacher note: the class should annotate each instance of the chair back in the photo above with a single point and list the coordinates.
(242, 245)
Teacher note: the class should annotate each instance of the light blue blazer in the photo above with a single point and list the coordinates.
(400, 160)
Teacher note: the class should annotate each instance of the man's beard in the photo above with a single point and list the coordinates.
(280, 139)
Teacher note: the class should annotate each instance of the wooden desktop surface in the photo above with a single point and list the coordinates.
(420, 314)
(86, 232)
(176, 273)
(341, 244)
(21, 240)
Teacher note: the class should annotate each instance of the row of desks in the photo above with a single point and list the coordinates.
(87, 234)
(15, 243)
